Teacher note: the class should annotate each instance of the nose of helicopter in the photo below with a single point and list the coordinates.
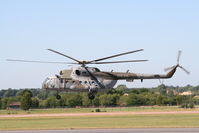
(45, 83)
(51, 83)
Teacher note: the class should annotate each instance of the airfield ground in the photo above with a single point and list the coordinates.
(89, 110)
(144, 117)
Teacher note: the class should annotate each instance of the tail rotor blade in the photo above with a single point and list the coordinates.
(179, 55)
(184, 69)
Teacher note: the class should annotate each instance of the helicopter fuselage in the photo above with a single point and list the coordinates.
(79, 79)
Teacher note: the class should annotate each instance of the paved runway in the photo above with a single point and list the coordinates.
(141, 130)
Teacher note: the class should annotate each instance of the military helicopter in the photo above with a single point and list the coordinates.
(92, 79)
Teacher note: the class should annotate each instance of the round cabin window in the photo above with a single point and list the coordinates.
(77, 72)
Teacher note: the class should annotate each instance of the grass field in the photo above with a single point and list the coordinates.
(126, 121)
(104, 121)
(88, 110)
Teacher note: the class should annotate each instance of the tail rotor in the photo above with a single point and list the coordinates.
(178, 64)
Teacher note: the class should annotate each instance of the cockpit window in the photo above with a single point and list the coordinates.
(84, 73)
(51, 82)
(47, 79)
(61, 73)
(97, 70)
(77, 72)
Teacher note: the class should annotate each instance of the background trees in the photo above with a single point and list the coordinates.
(120, 96)
(109, 99)
(26, 99)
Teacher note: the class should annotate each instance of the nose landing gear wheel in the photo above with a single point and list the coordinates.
(58, 97)
(91, 95)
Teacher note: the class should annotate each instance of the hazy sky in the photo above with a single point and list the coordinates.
(91, 29)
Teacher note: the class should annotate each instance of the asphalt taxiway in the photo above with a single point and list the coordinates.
(140, 130)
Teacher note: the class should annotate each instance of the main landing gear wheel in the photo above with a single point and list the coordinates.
(58, 97)
(91, 95)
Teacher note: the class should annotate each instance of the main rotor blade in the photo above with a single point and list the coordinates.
(64, 55)
(179, 55)
(111, 62)
(115, 55)
(38, 61)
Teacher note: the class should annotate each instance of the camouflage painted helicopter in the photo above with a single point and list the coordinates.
(92, 79)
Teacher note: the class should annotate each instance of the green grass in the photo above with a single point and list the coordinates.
(46, 111)
(126, 121)
(87, 110)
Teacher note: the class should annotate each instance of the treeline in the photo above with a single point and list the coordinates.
(120, 96)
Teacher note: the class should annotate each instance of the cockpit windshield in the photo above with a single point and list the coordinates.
(51, 82)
